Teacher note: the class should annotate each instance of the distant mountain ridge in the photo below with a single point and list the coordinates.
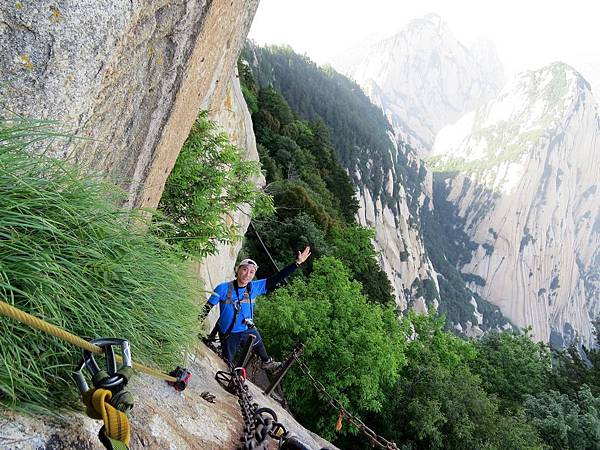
(527, 174)
(424, 78)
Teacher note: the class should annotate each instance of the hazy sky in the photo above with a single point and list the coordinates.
(527, 33)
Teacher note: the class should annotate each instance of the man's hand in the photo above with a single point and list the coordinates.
(303, 256)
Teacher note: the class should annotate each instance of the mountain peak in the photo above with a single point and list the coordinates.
(425, 77)
(559, 70)
(428, 20)
(550, 92)
(429, 24)
(533, 107)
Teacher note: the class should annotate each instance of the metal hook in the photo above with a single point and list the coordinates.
(112, 378)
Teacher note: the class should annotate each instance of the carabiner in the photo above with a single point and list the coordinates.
(113, 378)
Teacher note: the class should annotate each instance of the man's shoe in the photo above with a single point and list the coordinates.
(271, 365)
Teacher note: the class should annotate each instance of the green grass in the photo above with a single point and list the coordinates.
(71, 256)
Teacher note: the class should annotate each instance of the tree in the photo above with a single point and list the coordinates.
(353, 245)
(512, 366)
(564, 422)
(209, 180)
(439, 403)
(353, 348)
(283, 239)
(576, 366)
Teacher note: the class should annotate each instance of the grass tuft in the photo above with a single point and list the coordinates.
(71, 256)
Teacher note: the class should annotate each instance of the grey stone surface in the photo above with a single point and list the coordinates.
(128, 76)
(162, 418)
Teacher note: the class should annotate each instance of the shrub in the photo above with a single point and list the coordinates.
(354, 348)
(210, 179)
(70, 256)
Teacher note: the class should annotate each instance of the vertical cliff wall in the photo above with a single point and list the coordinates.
(526, 177)
(130, 76)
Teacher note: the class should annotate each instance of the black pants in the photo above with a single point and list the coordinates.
(231, 344)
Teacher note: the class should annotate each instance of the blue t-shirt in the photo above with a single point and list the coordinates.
(246, 308)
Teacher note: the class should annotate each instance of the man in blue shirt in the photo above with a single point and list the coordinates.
(236, 304)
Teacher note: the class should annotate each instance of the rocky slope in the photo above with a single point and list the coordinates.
(424, 78)
(397, 237)
(162, 418)
(524, 173)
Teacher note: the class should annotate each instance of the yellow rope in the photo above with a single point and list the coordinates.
(39, 324)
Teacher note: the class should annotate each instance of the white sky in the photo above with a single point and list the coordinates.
(527, 33)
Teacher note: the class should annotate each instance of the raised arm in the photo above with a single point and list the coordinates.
(277, 278)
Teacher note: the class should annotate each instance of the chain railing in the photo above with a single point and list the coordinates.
(373, 437)
(260, 424)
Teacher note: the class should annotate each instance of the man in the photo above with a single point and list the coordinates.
(236, 304)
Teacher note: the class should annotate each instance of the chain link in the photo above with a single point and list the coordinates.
(374, 437)
(260, 424)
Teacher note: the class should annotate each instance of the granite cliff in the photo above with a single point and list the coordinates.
(523, 171)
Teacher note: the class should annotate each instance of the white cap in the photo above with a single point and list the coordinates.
(246, 262)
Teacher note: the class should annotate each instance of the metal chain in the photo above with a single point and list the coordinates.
(374, 437)
(258, 426)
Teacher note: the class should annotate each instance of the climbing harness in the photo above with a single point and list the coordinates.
(108, 400)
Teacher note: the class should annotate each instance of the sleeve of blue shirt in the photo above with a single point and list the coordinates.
(218, 294)
(259, 287)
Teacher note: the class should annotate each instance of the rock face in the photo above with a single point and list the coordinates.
(397, 236)
(529, 175)
(129, 75)
(162, 418)
(424, 79)
(132, 76)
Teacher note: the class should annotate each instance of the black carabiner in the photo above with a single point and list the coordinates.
(112, 378)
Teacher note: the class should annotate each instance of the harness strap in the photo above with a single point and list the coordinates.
(245, 298)
(228, 301)
(115, 433)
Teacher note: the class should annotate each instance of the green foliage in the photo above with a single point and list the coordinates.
(566, 423)
(271, 102)
(285, 238)
(209, 180)
(352, 245)
(249, 88)
(250, 99)
(576, 366)
(359, 130)
(439, 403)
(302, 151)
(70, 256)
(352, 347)
(293, 197)
(512, 366)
